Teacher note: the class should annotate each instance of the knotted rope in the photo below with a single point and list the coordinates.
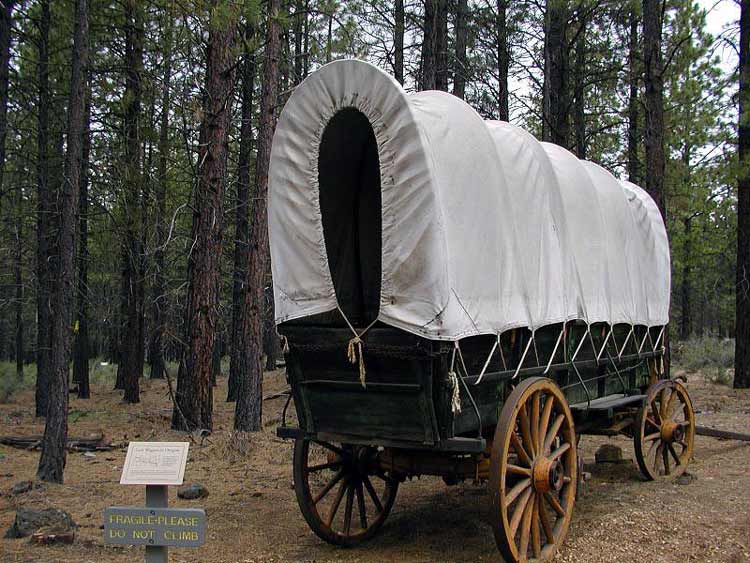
(453, 377)
(354, 347)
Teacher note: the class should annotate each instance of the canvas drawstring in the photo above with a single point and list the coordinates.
(354, 347)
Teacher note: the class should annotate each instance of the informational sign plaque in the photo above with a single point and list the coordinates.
(176, 527)
(155, 463)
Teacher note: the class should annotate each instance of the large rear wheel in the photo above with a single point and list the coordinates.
(342, 493)
(533, 472)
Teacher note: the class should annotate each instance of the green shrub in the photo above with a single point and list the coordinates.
(712, 355)
(10, 383)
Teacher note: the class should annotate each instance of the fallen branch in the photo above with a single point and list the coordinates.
(725, 434)
(283, 393)
(91, 444)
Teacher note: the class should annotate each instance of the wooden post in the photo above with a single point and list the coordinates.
(157, 496)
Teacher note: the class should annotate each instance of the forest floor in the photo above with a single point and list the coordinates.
(253, 515)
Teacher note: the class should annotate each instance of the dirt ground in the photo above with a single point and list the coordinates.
(253, 516)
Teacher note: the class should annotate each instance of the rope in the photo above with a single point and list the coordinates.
(354, 347)
(285, 343)
(453, 378)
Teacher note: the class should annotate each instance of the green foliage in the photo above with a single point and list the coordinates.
(10, 384)
(708, 354)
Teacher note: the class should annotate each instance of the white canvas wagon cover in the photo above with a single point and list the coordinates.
(480, 227)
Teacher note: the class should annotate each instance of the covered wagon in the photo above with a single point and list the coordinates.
(460, 300)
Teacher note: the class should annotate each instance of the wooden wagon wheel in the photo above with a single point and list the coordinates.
(533, 472)
(343, 495)
(664, 431)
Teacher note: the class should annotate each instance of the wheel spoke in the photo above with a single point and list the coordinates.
(663, 404)
(674, 454)
(536, 542)
(336, 502)
(322, 466)
(553, 432)
(665, 457)
(653, 423)
(659, 449)
(518, 512)
(332, 483)
(670, 404)
(657, 414)
(523, 422)
(518, 447)
(544, 423)
(331, 447)
(361, 505)
(559, 451)
(348, 510)
(535, 420)
(372, 493)
(526, 527)
(518, 470)
(520, 487)
(554, 503)
(652, 437)
(546, 526)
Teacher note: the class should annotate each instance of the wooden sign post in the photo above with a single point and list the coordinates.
(156, 465)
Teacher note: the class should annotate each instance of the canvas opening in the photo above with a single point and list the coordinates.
(350, 205)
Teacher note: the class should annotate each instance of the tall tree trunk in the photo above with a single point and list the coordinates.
(132, 337)
(159, 300)
(43, 218)
(6, 23)
(194, 392)
(654, 82)
(329, 40)
(634, 73)
(441, 45)
(579, 92)
(686, 318)
(300, 22)
(242, 225)
(503, 60)
(428, 63)
(18, 278)
(306, 41)
(248, 409)
(81, 339)
(461, 70)
(398, 42)
(742, 348)
(54, 442)
(556, 110)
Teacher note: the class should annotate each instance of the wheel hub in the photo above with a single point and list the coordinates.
(671, 432)
(548, 475)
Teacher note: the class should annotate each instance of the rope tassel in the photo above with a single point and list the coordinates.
(354, 351)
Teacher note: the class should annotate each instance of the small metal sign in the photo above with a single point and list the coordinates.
(155, 463)
(178, 527)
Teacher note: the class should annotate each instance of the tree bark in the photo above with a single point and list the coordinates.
(686, 317)
(579, 92)
(556, 98)
(461, 69)
(428, 61)
(132, 336)
(43, 218)
(441, 45)
(248, 408)
(398, 42)
(6, 23)
(634, 73)
(241, 221)
(159, 302)
(194, 392)
(300, 22)
(81, 339)
(742, 348)
(503, 60)
(654, 101)
(52, 459)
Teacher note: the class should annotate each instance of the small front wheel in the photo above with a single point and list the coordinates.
(533, 472)
(343, 495)
(664, 431)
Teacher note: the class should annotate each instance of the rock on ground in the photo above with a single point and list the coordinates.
(192, 491)
(28, 522)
